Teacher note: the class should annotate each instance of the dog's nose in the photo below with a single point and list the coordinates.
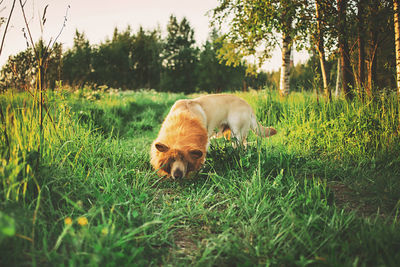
(177, 174)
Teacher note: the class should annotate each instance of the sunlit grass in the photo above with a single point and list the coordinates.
(94, 199)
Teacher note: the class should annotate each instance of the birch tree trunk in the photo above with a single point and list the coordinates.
(397, 41)
(284, 87)
(338, 75)
(321, 51)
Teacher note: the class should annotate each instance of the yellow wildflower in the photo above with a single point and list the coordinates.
(82, 221)
(104, 231)
(68, 221)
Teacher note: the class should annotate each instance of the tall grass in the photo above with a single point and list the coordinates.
(332, 128)
(21, 141)
(100, 203)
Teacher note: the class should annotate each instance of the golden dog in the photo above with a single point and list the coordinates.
(182, 142)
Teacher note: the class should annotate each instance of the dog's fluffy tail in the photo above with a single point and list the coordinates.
(261, 130)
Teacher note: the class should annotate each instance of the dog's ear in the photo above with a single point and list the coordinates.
(195, 154)
(161, 147)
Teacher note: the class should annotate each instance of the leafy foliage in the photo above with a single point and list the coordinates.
(215, 74)
(76, 61)
(146, 59)
(134, 61)
(179, 57)
(18, 71)
(254, 26)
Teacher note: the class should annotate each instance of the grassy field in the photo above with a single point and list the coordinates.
(325, 191)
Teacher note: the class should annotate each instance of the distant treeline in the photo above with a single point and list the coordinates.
(136, 60)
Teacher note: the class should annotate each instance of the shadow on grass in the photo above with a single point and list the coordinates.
(369, 187)
(135, 117)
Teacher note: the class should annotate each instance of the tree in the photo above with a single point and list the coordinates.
(253, 26)
(179, 57)
(378, 33)
(347, 73)
(146, 60)
(397, 41)
(284, 87)
(18, 73)
(112, 61)
(361, 43)
(321, 47)
(373, 30)
(54, 66)
(214, 75)
(77, 61)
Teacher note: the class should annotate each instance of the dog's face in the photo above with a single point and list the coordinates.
(177, 163)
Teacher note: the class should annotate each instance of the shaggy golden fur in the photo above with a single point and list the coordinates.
(182, 142)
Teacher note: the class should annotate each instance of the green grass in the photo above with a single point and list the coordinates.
(323, 191)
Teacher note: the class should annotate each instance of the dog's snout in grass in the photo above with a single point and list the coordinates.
(178, 174)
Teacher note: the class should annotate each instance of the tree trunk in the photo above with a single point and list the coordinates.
(373, 48)
(361, 46)
(397, 41)
(338, 75)
(321, 51)
(372, 62)
(347, 73)
(284, 87)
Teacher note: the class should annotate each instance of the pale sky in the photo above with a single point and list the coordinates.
(97, 19)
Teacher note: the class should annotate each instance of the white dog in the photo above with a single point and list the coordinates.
(228, 112)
